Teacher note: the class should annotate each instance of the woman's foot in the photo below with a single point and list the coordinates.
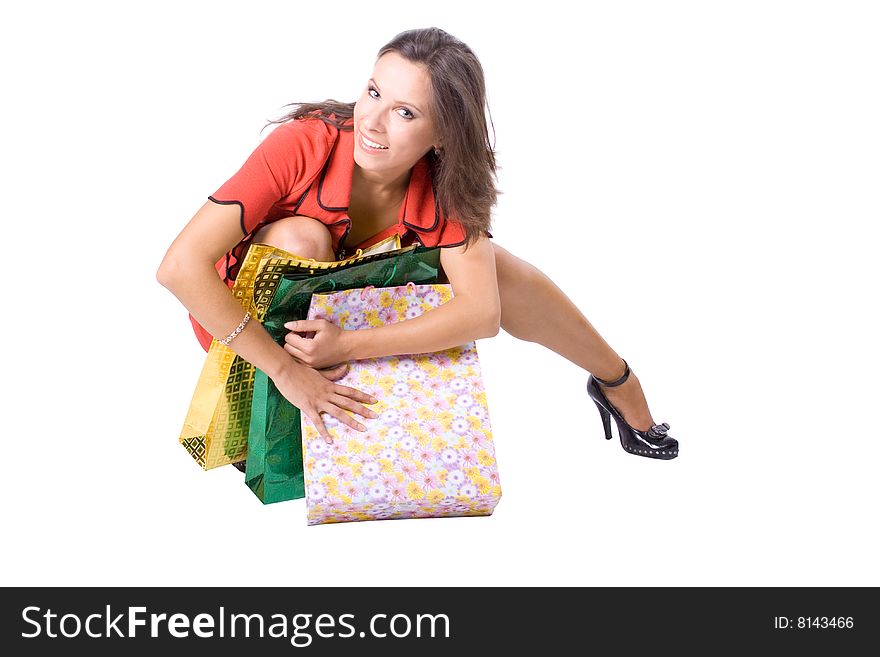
(630, 401)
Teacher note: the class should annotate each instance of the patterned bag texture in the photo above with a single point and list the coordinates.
(430, 452)
(216, 426)
(274, 470)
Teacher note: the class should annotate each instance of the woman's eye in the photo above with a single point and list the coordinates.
(408, 115)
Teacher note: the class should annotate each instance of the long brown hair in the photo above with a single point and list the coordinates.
(464, 173)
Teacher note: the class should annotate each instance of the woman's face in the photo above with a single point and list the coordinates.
(391, 112)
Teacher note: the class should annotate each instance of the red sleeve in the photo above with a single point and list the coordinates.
(452, 233)
(291, 154)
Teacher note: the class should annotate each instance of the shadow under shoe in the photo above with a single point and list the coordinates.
(653, 443)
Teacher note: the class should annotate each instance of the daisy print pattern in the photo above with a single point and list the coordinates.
(430, 452)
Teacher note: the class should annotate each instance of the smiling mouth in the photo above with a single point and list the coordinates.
(370, 144)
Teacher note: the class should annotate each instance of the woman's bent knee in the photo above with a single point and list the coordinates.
(300, 235)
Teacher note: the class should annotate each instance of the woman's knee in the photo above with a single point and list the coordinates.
(300, 235)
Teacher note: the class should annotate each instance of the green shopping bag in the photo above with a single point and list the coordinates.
(274, 470)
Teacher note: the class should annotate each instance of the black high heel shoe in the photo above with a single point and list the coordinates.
(653, 443)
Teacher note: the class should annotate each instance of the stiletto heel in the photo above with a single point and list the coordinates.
(606, 420)
(654, 443)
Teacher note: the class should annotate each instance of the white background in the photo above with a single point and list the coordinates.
(701, 178)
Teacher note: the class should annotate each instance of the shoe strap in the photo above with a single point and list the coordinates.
(658, 430)
(616, 382)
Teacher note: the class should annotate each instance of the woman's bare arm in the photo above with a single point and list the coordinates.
(473, 313)
(188, 271)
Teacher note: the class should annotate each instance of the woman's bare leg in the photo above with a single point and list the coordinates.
(533, 308)
(301, 235)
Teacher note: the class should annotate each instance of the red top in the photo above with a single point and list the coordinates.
(305, 167)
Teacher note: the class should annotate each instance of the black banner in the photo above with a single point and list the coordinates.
(433, 621)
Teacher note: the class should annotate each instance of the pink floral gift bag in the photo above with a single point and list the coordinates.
(429, 453)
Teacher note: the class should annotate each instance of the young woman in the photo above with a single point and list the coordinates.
(412, 157)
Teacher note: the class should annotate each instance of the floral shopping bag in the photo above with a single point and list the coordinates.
(430, 452)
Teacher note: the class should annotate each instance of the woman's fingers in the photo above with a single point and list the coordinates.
(339, 414)
(334, 400)
(351, 405)
(295, 345)
(354, 394)
(315, 416)
(344, 417)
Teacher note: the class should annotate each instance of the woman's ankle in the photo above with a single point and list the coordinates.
(611, 372)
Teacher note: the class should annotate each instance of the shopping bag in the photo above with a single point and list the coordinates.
(216, 425)
(430, 452)
(274, 470)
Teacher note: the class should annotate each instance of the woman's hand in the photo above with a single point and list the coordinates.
(316, 342)
(313, 392)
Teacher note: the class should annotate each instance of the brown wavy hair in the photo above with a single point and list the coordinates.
(465, 172)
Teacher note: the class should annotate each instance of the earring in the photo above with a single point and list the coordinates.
(438, 152)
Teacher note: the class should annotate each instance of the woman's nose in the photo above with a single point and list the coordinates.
(371, 123)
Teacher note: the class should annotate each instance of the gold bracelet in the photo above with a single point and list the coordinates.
(225, 341)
